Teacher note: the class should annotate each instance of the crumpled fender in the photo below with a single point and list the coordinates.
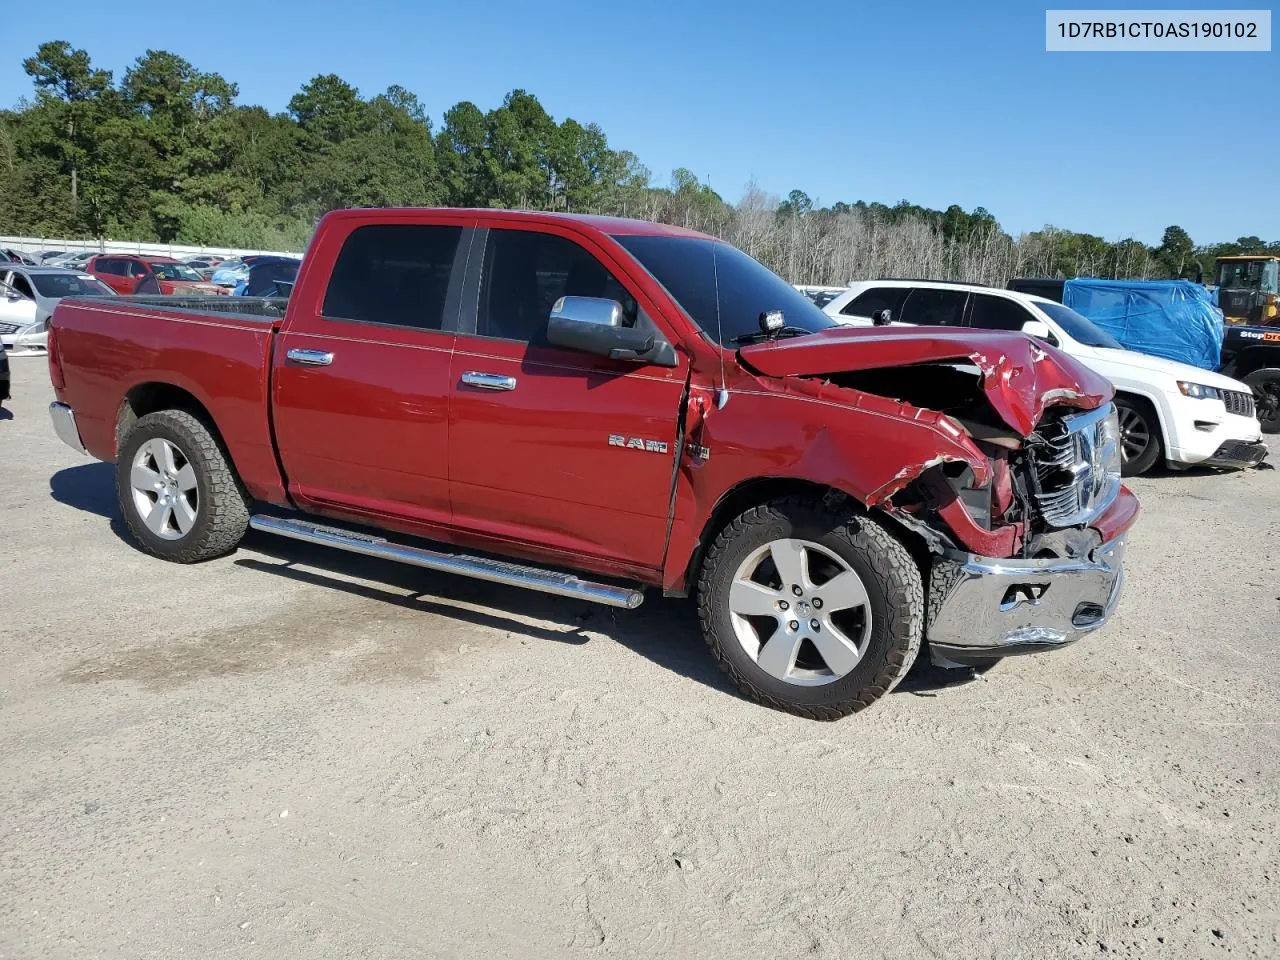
(1021, 376)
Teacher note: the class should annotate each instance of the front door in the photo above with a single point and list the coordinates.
(552, 447)
(362, 374)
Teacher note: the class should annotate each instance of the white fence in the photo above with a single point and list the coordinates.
(177, 250)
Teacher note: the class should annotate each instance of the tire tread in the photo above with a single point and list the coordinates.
(227, 502)
(893, 566)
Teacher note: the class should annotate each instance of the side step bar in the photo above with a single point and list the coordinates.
(479, 568)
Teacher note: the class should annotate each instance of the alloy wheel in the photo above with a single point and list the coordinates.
(165, 493)
(1135, 435)
(800, 612)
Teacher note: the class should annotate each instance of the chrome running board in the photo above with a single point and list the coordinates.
(479, 568)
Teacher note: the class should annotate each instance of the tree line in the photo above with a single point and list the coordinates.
(166, 153)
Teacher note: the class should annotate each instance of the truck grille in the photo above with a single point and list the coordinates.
(1238, 403)
(1075, 467)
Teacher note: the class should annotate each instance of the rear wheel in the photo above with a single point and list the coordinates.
(1265, 384)
(1140, 445)
(811, 609)
(180, 497)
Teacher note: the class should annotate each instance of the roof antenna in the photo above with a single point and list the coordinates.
(722, 395)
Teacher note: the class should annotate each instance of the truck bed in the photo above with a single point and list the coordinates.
(256, 309)
(217, 349)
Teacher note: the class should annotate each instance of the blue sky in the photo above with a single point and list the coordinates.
(936, 102)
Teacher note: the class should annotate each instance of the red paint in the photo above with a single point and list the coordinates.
(389, 435)
(1021, 376)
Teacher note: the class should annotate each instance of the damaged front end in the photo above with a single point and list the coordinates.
(1026, 532)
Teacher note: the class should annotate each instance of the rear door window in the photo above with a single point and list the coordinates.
(868, 302)
(393, 273)
(933, 308)
(997, 313)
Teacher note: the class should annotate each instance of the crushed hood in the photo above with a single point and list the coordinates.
(1021, 377)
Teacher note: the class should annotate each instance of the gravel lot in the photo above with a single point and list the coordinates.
(297, 753)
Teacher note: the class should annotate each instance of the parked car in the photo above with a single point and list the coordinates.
(204, 265)
(268, 277)
(73, 261)
(642, 404)
(230, 272)
(44, 256)
(1171, 412)
(27, 298)
(11, 255)
(142, 275)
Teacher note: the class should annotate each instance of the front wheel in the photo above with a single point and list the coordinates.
(811, 609)
(1265, 384)
(1139, 436)
(180, 497)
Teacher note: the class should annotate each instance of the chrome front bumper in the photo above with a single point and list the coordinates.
(982, 608)
(64, 425)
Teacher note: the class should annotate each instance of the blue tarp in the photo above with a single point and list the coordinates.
(1175, 319)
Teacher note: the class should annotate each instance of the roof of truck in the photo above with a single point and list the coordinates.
(617, 226)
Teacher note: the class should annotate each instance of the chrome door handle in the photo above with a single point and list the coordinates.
(312, 358)
(488, 381)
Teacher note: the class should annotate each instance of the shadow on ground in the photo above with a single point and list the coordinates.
(663, 630)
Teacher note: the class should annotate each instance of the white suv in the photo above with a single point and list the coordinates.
(1168, 410)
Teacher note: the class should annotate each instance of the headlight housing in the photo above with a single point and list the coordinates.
(1109, 446)
(1198, 391)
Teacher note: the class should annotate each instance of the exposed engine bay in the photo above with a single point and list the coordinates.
(1043, 486)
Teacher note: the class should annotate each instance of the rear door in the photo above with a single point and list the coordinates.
(361, 371)
(934, 307)
(111, 271)
(861, 310)
(551, 447)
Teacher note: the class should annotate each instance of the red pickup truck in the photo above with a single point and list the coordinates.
(591, 407)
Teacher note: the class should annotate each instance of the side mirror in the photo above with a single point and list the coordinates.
(882, 318)
(1038, 329)
(594, 325)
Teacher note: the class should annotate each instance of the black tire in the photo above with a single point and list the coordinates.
(1265, 384)
(222, 515)
(889, 574)
(1145, 416)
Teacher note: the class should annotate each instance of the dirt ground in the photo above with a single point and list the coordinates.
(297, 753)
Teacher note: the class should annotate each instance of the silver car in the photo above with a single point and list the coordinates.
(27, 298)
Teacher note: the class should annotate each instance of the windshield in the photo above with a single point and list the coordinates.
(1249, 275)
(694, 271)
(175, 271)
(1080, 329)
(54, 285)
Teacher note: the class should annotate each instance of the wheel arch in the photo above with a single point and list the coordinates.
(1251, 359)
(154, 395)
(759, 490)
(1151, 402)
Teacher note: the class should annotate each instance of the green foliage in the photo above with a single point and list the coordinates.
(167, 154)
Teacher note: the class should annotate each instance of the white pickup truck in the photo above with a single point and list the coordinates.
(1169, 411)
